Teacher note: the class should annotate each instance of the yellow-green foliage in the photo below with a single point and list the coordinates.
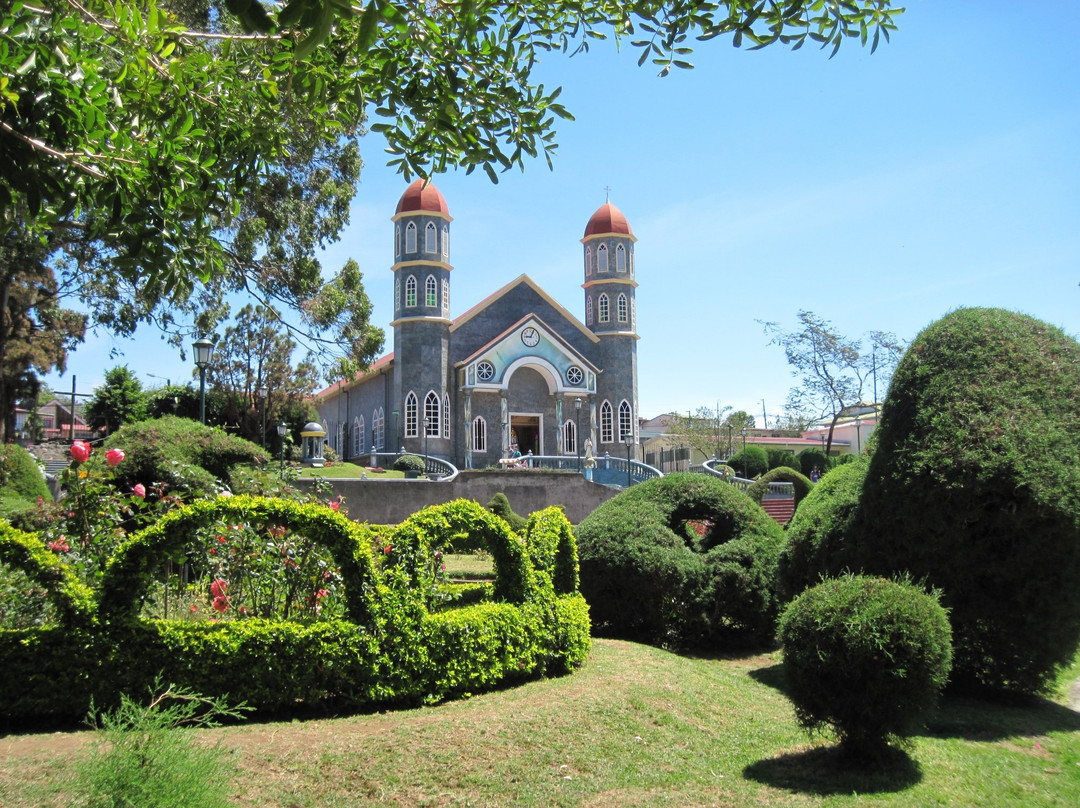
(393, 646)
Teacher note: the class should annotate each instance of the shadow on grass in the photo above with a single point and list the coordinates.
(824, 771)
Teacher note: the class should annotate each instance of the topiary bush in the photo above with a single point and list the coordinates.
(810, 459)
(683, 561)
(750, 463)
(866, 657)
(780, 474)
(500, 506)
(975, 486)
(21, 482)
(781, 458)
(817, 543)
(409, 462)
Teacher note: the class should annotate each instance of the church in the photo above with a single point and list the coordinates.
(516, 373)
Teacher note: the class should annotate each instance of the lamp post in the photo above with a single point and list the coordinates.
(858, 435)
(263, 392)
(204, 349)
(281, 430)
(728, 442)
(628, 439)
(744, 474)
(577, 431)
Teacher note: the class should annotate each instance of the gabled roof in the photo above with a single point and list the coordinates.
(374, 369)
(529, 282)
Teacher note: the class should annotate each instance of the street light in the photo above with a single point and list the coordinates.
(729, 444)
(577, 431)
(204, 349)
(858, 435)
(281, 430)
(628, 439)
(744, 473)
(263, 392)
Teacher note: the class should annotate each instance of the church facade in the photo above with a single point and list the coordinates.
(517, 372)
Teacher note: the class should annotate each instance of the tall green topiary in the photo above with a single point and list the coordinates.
(975, 484)
(500, 506)
(866, 657)
(750, 463)
(682, 561)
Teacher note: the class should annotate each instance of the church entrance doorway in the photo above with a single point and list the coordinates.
(525, 434)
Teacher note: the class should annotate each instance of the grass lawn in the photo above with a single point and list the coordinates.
(635, 727)
(339, 470)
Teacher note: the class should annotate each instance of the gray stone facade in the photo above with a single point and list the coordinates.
(508, 374)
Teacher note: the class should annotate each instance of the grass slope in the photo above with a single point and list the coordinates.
(635, 727)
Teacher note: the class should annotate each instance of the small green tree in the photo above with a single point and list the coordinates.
(751, 462)
(119, 401)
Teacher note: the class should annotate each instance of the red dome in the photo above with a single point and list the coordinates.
(419, 196)
(608, 219)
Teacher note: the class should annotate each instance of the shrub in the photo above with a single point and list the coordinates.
(750, 463)
(780, 474)
(781, 458)
(409, 462)
(974, 485)
(21, 483)
(866, 657)
(500, 506)
(810, 459)
(682, 561)
(186, 456)
(817, 543)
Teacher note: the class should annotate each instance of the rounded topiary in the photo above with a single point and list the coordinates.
(975, 486)
(750, 463)
(866, 657)
(409, 462)
(817, 543)
(781, 458)
(810, 459)
(685, 560)
(780, 474)
(21, 483)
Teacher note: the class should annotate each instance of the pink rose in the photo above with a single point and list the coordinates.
(139, 490)
(114, 457)
(80, 451)
(335, 505)
(218, 587)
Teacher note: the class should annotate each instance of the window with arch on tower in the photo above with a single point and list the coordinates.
(479, 434)
(411, 429)
(626, 419)
(588, 311)
(359, 436)
(446, 297)
(431, 238)
(445, 242)
(410, 237)
(620, 258)
(601, 258)
(431, 415)
(397, 292)
(431, 292)
(621, 309)
(397, 240)
(446, 416)
(410, 291)
(569, 438)
(605, 308)
(588, 261)
(607, 431)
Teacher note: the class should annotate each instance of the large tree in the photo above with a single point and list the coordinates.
(834, 372)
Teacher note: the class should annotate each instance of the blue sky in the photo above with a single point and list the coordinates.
(878, 191)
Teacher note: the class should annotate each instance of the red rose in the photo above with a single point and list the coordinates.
(80, 451)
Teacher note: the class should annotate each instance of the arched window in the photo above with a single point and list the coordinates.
(588, 260)
(620, 258)
(410, 237)
(378, 429)
(446, 416)
(411, 429)
(607, 433)
(601, 258)
(431, 292)
(431, 238)
(622, 312)
(397, 240)
(633, 314)
(445, 242)
(588, 311)
(446, 298)
(410, 291)
(605, 308)
(397, 292)
(341, 440)
(569, 438)
(479, 434)
(358, 435)
(431, 415)
(626, 419)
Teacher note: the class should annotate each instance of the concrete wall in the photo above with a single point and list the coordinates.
(383, 501)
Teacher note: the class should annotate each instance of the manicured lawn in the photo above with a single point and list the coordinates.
(348, 470)
(635, 727)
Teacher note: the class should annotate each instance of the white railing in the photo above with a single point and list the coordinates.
(607, 469)
(434, 467)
